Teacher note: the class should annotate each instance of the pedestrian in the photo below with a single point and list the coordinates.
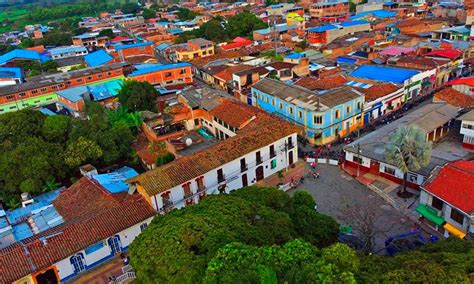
(314, 175)
(317, 175)
(125, 260)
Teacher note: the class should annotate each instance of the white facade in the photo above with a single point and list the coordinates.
(90, 258)
(465, 225)
(388, 102)
(413, 90)
(467, 129)
(70, 51)
(234, 176)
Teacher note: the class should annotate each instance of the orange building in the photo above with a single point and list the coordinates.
(136, 52)
(330, 11)
(163, 75)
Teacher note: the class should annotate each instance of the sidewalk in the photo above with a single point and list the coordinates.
(101, 273)
(294, 173)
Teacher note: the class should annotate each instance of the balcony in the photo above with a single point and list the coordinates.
(243, 168)
(290, 145)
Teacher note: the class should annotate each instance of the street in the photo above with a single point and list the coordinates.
(340, 196)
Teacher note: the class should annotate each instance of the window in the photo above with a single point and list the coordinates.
(10, 97)
(99, 75)
(337, 114)
(266, 100)
(89, 78)
(55, 87)
(258, 157)
(348, 109)
(182, 71)
(359, 105)
(272, 151)
(280, 105)
(457, 216)
(300, 114)
(273, 164)
(467, 126)
(273, 102)
(290, 143)
(118, 71)
(79, 80)
(21, 94)
(437, 203)
(357, 159)
(109, 73)
(95, 247)
(220, 175)
(34, 91)
(168, 74)
(318, 119)
(389, 170)
(143, 227)
(290, 110)
(187, 190)
(243, 165)
(13, 107)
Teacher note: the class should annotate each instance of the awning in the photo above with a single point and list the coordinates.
(430, 214)
(454, 231)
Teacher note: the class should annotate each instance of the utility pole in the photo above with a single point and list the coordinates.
(358, 159)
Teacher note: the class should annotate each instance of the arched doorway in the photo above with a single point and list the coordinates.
(259, 173)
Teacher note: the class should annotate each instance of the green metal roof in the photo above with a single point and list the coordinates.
(430, 214)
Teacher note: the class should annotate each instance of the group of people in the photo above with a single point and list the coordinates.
(112, 279)
(313, 172)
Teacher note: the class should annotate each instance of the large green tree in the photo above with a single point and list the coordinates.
(243, 24)
(409, 150)
(296, 261)
(177, 247)
(138, 96)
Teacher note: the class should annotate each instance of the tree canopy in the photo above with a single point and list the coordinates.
(242, 24)
(38, 149)
(138, 96)
(178, 246)
(107, 32)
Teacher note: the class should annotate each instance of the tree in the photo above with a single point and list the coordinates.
(138, 96)
(408, 149)
(56, 38)
(82, 151)
(50, 66)
(243, 24)
(164, 159)
(186, 14)
(107, 32)
(130, 8)
(212, 30)
(56, 128)
(296, 261)
(27, 42)
(187, 239)
(148, 14)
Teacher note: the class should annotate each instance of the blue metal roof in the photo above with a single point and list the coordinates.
(294, 55)
(73, 94)
(46, 111)
(114, 182)
(67, 49)
(343, 59)
(158, 67)
(376, 13)
(97, 58)
(353, 23)
(385, 74)
(46, 218)
(105, 90)
(163, 46)
(20, 54)
(321, 29)
(175, 31)
(10, 72)
(138, 44)
(22, 231)
(17, 215)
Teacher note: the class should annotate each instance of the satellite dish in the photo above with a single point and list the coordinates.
(189, 142)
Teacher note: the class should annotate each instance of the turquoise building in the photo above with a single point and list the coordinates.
(323, 116)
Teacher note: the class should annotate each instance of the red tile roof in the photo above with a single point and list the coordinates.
(378, 91)
(445, 53)
(454, 98)
(454, 183)
(266, 127)
(326, 83)
(91, 214)
(226, 74)
(234, 113)
(462, 81)
(237, 43)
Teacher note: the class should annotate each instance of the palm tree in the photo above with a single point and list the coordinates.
(408, 150)
(50, 185)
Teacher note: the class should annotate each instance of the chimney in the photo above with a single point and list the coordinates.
(88, 170)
